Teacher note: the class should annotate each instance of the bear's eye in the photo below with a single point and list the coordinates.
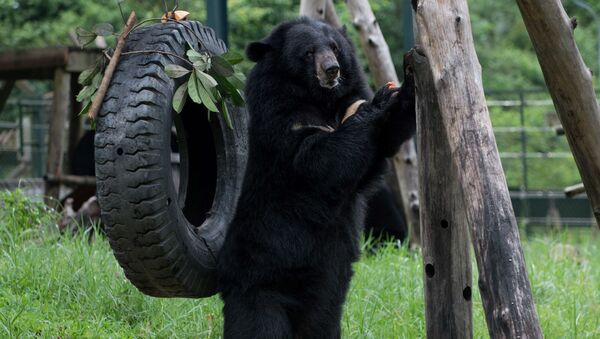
(335, 49)
(309, 54)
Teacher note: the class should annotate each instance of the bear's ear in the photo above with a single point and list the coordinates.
(343, 30)
(256, 50)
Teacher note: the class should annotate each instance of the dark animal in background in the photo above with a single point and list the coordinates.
(385, 220)
(285, 266)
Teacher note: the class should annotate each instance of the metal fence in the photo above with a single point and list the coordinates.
(537, 161)
(23, 138)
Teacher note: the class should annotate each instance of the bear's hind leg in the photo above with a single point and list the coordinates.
(256, 315)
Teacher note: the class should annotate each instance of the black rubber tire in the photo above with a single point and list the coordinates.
(166, 238)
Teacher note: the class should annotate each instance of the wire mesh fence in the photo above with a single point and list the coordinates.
(536, 158)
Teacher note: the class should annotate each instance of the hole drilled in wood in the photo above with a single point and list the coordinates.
(429, 270)
(444, 223)
(119, 151)
(467, 293)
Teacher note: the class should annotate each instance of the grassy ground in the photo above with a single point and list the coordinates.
(53, 286)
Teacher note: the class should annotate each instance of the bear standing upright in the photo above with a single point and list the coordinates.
(286, 263)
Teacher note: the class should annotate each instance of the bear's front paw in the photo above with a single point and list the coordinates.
(386, 98)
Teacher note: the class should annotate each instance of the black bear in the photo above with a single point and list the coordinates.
(385, 219)
(286, 263)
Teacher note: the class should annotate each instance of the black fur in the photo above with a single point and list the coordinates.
(285, 266)
(385, 219)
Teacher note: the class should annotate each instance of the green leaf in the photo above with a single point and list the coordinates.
(225, 112)
(179, 98)
(86, 108)
(104, 29)
(84, 37)
(176, 71)
(194, 56)
(200, 66)
(226, 86)
(85, 78)
(233, 58)
(221, 66)
(207, 98)
(207, 80)
(86, 93)
(96, 81)
(238, 80)
(193, 84)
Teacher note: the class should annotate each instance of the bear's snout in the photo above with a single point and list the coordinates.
(328, 69)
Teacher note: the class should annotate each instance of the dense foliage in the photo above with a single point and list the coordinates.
(505, 52)
(502, 42)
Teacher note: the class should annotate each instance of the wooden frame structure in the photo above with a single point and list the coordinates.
(60, 64)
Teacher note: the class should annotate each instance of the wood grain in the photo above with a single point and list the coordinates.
(444, 34)
(571, 87)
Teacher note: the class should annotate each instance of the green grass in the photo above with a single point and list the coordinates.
(69, 286)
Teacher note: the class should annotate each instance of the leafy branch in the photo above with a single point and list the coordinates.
(212, 80)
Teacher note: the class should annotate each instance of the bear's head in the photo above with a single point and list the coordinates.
(310, 52)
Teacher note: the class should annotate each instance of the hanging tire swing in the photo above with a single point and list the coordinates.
(164, 228)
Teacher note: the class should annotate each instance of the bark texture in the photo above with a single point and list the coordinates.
(447, 274)
(444, 33)
(313, 8)
(382, 68)
(320, 9)
(570, 84)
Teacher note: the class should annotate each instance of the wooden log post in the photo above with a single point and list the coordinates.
(313, 8)
(445, 235)
(571, 87)
(382, 68)
(331, 15)
(320, 9)
(443, 31)
(56, 133)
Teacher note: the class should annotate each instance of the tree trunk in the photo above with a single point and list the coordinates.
(313, 8)
(331, 15)
(570, 84)
(447, 274)
(444, 32)
(320, 9)
(382, 67)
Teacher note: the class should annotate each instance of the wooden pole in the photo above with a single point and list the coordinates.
(571, 87)
(56, 133)
(444, 33)
(331, 15)
(382, 68)
(313, 8)
(447, 273)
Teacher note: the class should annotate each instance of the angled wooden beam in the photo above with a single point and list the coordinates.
(571, 87)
